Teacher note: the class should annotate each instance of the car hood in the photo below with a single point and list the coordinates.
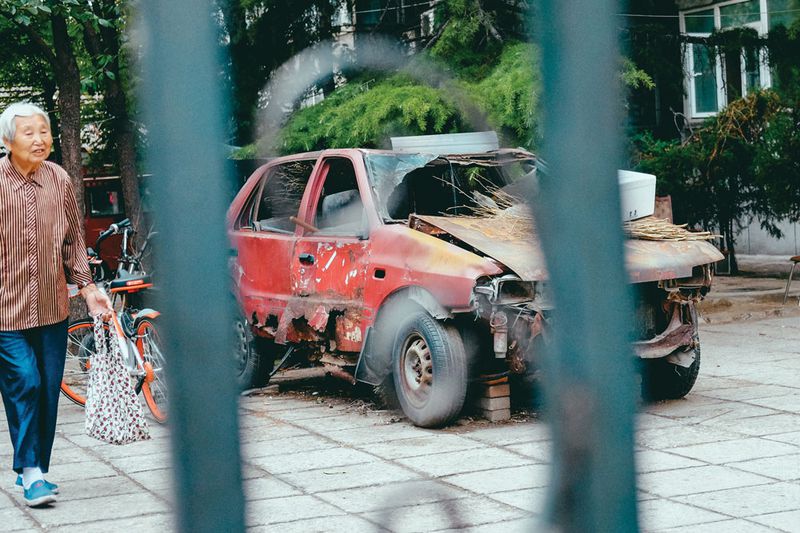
(518, 248)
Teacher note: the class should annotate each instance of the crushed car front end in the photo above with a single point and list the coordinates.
(477, 202)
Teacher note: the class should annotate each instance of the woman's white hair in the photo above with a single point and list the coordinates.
(8, 126)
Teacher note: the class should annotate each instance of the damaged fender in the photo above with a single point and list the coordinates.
(375, 359)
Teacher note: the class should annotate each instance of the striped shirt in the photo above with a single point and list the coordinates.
(41, 246)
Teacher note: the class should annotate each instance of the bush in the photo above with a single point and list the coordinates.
(367, 114)
(742, 164)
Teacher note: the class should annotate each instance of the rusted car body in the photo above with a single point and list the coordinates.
(403, 270)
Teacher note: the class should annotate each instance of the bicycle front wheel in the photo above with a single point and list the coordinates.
(154, 387)
(80, 349)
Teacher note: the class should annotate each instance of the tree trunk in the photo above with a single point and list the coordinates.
(728, 244)
(116, 103)
(68, 79)
(49, 96)
(731, 249)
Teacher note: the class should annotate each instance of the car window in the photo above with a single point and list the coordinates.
(404, 184)
(277, 198)
(340, 210)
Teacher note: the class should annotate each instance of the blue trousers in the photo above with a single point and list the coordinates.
(31, 368)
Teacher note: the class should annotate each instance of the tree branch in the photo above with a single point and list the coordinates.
(36, 39)
(91, 39)
(436, 37)
(487, 22)
(383, 15)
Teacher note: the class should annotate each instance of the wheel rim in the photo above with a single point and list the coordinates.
(155, 387)
(416, 369)
(80, 348)
(242, 346)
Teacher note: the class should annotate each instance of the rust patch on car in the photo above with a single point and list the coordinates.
(678, 333)
(315, 320)
(348, 331)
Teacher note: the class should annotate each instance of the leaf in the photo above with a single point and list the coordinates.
(110, 75)
(105, 23)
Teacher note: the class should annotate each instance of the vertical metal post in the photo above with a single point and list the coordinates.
(185, 109)
(590, 397)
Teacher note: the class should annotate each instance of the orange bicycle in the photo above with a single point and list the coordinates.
(139, 340)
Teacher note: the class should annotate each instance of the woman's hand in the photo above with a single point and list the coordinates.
(97, 301)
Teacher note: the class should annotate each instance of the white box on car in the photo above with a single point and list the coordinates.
(637, 192)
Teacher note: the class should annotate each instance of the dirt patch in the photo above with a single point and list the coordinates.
(733, 299)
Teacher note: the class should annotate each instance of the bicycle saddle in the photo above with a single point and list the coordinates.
(131, 283)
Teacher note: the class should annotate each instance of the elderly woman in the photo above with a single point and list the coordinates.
(42, 250)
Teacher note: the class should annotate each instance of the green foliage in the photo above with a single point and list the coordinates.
(464, 43)
(260, 35)
(743, 163)
(366, 114)
(784, 57)
(777, 163)
(633, 77)
(19, 68)
(471, 34)
(510, 94)
(244, 153)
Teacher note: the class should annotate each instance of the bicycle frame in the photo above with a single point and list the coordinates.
(131, 355)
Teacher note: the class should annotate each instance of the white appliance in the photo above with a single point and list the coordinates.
(637, 192)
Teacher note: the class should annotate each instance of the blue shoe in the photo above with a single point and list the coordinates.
(38, 495)
(51, 486)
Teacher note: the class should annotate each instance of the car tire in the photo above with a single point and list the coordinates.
(429, 370)
(662, 380)
(254, 357)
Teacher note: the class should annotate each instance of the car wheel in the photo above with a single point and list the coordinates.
(254, 357)
(662, 380)
(429, 369)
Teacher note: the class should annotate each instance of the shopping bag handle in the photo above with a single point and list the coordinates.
(120, 333)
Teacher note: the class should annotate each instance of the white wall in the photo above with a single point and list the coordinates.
(754, 240)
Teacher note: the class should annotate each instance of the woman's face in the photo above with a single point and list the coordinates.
(32, 141)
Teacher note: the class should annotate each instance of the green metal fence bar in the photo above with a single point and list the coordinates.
(183, 102)
(590, 383)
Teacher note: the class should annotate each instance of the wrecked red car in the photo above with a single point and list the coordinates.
(419, 273)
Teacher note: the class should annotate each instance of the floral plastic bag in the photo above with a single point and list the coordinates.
(113, 411)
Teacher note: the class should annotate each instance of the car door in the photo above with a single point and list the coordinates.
(330, 256)
(264, 235)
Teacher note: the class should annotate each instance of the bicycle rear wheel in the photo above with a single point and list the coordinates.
(80, 348)
(154, 387)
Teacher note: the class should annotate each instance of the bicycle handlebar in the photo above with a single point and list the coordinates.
(113, 229)
(121, 225)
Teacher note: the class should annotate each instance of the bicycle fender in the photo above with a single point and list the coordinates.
(146, 313)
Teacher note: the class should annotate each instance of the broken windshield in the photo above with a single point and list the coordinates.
(467, 185)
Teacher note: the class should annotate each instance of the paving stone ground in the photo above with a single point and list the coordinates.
(725, 459)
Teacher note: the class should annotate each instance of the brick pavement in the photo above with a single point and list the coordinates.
(727, 458)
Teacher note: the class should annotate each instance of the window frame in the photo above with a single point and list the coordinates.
(315, 201)
(761, 26)
(251, 206)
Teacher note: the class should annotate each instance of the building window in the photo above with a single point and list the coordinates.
(713, 80)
